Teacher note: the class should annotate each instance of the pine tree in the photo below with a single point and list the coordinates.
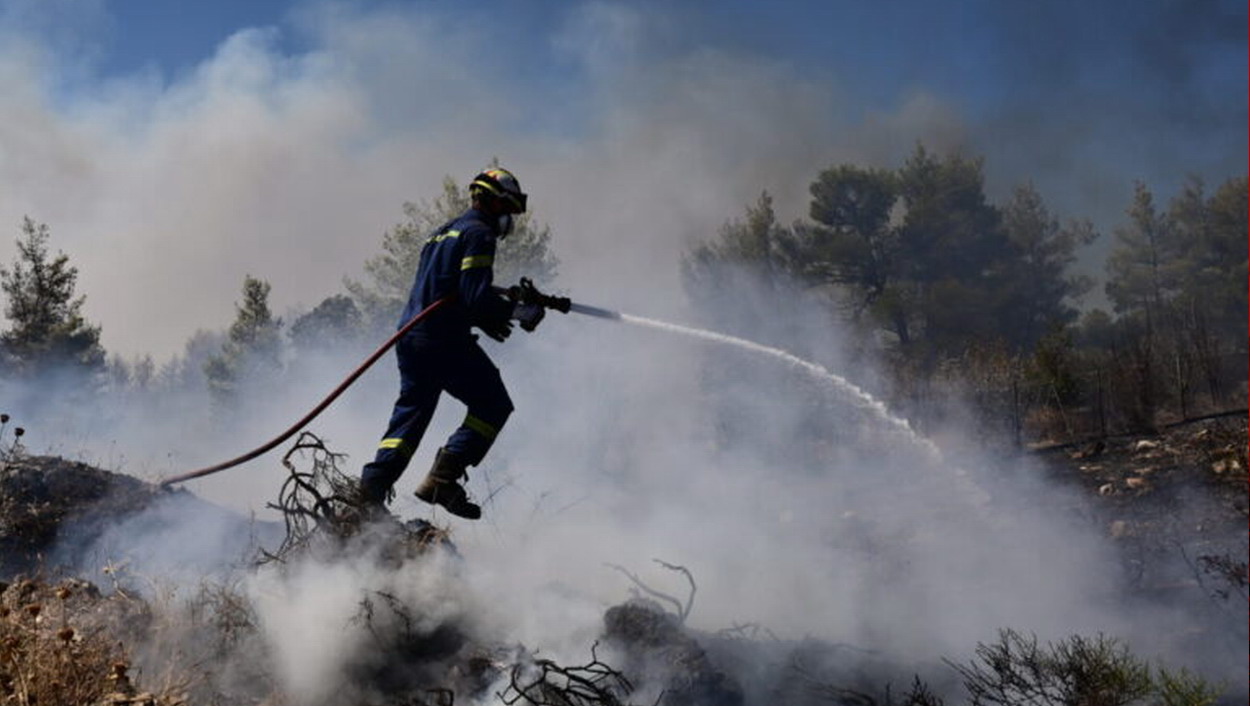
(333, 324)
(853, 244)
(253, 347)
(1143, 269)
(746, 265)
(1041, 293)
(47, 330)
(1212, 243)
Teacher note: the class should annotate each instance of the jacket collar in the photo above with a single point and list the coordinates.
(477, 214)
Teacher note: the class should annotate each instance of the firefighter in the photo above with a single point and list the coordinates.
(440, 354)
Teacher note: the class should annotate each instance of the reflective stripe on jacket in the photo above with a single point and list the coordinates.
(457, 259)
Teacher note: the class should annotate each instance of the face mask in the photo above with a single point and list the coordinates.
(505, 225)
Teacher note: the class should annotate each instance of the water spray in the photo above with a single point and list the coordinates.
(526, 292)
(861, 398)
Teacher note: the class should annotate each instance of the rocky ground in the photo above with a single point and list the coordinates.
(1180, 492)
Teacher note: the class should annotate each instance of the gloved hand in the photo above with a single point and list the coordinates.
(498, 330)
(528, 315)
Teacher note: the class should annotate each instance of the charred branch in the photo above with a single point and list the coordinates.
(542, 682)
(680, 609)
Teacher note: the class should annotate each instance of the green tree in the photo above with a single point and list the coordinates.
(47, 330)
(751, 270)
(1142, 272)
(919, 250)
(1207, 315)
(1042, 291)
(1212, 238)
(185, 372)
(747, 241)
(334, 323)
(853, 244)
(525, 252)
(1177, 280)
(253, 346)
(954, 257)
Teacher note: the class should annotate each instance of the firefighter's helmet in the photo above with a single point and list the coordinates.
(501, 184)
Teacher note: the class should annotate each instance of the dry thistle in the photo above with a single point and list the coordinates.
(4, 419)
(66, 634)
(34, 609)
(18, 431)
(63, 592)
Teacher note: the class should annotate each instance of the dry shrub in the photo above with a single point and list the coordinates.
(59, 645)
(328, 518)
(1077, 671)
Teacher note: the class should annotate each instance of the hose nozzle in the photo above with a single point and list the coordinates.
(526, 293)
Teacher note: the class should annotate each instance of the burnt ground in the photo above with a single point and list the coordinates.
(1175, 502)
(1179, 493)
(58, 515)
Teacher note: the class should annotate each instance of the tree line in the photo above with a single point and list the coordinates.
(959, 294)
(916, 262)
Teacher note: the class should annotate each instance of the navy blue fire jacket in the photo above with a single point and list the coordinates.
(457, 260)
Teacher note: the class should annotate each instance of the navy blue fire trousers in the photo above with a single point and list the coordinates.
(427, 368)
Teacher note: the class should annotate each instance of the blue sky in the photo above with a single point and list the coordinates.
(253, 128)
(1183, 61)
(988, 54)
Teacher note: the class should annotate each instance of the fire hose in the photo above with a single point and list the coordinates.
(525, 292)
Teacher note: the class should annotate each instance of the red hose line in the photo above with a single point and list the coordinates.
(320, 407)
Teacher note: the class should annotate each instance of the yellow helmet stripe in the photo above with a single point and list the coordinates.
(509, 196)
(488, 186)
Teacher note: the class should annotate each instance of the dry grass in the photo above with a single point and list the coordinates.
(59, 645)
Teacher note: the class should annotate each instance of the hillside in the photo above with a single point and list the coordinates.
(79, 628)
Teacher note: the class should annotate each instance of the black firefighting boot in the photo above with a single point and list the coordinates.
(441, 486)
(373, 500)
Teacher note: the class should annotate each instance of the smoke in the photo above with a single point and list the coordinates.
(628, 445)
(324, 621)
(167, 193)
(792, 508)
(651, 129)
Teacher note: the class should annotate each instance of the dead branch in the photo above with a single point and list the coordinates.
(747, 632)
(1230, 573)
(685, 612)
(542, 682)
(314, 502)
(682, 611)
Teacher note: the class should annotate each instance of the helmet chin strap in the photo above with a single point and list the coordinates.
(504, 225)
(504, 220)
